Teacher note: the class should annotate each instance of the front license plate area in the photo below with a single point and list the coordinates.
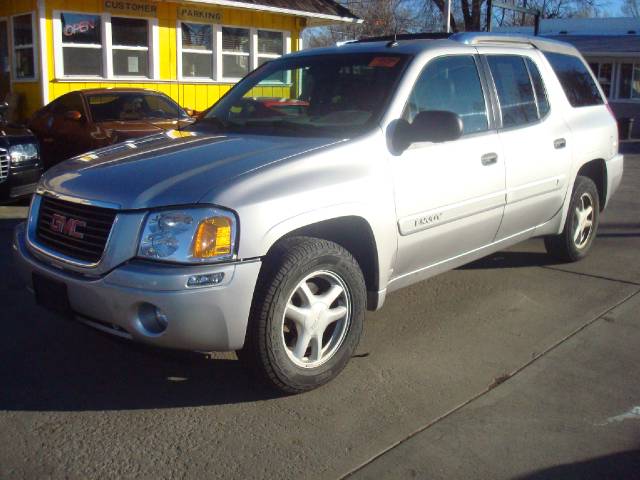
(51, 294)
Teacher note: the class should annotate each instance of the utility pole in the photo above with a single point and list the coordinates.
(447, 16)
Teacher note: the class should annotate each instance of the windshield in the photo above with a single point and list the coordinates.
(331, 95)
(132, 106)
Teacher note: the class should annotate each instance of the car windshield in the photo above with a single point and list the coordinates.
(132, 106)
(327, 95)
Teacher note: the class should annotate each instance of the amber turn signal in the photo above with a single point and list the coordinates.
(212, 238)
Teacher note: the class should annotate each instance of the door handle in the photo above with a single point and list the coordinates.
(489, 159)
(559, 143)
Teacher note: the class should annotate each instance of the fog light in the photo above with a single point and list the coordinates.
(205, 280)
(153, 320)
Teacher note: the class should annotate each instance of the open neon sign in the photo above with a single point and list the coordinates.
(79, 27)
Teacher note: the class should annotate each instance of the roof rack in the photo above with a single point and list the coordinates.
(405, 36)
(479, 38)
(541, 43)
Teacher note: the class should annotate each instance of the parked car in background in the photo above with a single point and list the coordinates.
(20, 165)
(84, 120)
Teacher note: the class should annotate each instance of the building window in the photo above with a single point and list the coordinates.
(629, 83)
(604, 74)
(81, 44)
(270, 45)
(197, 50)
(23, 51)
(99, 45)
(236, 52)
(130, 47)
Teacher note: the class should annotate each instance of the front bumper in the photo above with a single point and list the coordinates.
(615, 169)
(20, 182)
(204, 319)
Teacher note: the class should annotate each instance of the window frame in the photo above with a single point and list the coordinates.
(107, 48)
(253, 47)
(484, 85)
(535, 93)
(32, 46)
(496, 99)
(217, 76)
(181, 50)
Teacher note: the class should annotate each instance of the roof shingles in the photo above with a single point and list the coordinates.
(614, 44)
(325, 7)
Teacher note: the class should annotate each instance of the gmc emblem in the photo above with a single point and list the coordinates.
(68, 226)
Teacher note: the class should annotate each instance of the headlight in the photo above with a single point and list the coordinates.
(189, 235)
(23, 152)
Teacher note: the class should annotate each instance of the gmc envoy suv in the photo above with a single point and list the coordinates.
(320, 183)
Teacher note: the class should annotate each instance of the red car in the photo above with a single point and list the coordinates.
(84, 120)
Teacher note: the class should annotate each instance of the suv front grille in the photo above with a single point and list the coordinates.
(75, 230)
(4, 164)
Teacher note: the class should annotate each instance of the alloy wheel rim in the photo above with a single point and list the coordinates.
(316, 319)
(584, 216)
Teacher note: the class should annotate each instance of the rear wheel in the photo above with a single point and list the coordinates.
(581, 225)
(306, 316)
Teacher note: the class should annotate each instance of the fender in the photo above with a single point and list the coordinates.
(384, 235)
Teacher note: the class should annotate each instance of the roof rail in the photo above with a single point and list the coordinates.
(541, 43)
(406, 36)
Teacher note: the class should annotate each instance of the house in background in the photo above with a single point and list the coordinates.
(611, 46)
(193, 51)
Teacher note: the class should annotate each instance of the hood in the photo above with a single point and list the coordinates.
(11, 130)
(125, 130)
(172, 168)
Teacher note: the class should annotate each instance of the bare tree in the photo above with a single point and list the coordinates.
(385, 17)
(631, 8)
(381, 17)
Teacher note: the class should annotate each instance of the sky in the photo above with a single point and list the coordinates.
(613, 8)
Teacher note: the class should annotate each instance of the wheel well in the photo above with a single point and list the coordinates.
(596, 170)
(355, 235)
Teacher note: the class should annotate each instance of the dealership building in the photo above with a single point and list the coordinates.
(193, 51)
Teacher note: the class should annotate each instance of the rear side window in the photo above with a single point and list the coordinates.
(515, 92)
(538, 87)
(450, 83)
(576, 80)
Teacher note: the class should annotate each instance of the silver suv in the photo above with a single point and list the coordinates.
(320, 183)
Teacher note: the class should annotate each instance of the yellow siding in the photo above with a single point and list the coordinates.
(197, 96)
(30, 91)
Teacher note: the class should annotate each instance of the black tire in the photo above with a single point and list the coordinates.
(564, 246)
(289, 263)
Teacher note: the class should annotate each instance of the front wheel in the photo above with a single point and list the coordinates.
(581, 225)
(307, 314)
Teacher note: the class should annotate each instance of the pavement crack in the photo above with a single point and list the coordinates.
(503, 378)
(590, 275)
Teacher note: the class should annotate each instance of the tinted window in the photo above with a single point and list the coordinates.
(162, 107)
(515, 92)
(323, 95)
(538, 86)
(576, 80)
(453, 84)
(132, 106)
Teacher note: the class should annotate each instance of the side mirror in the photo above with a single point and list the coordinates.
(72, 115)
(431, 126)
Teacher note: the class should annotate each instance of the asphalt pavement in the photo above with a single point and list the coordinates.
(513, 367)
